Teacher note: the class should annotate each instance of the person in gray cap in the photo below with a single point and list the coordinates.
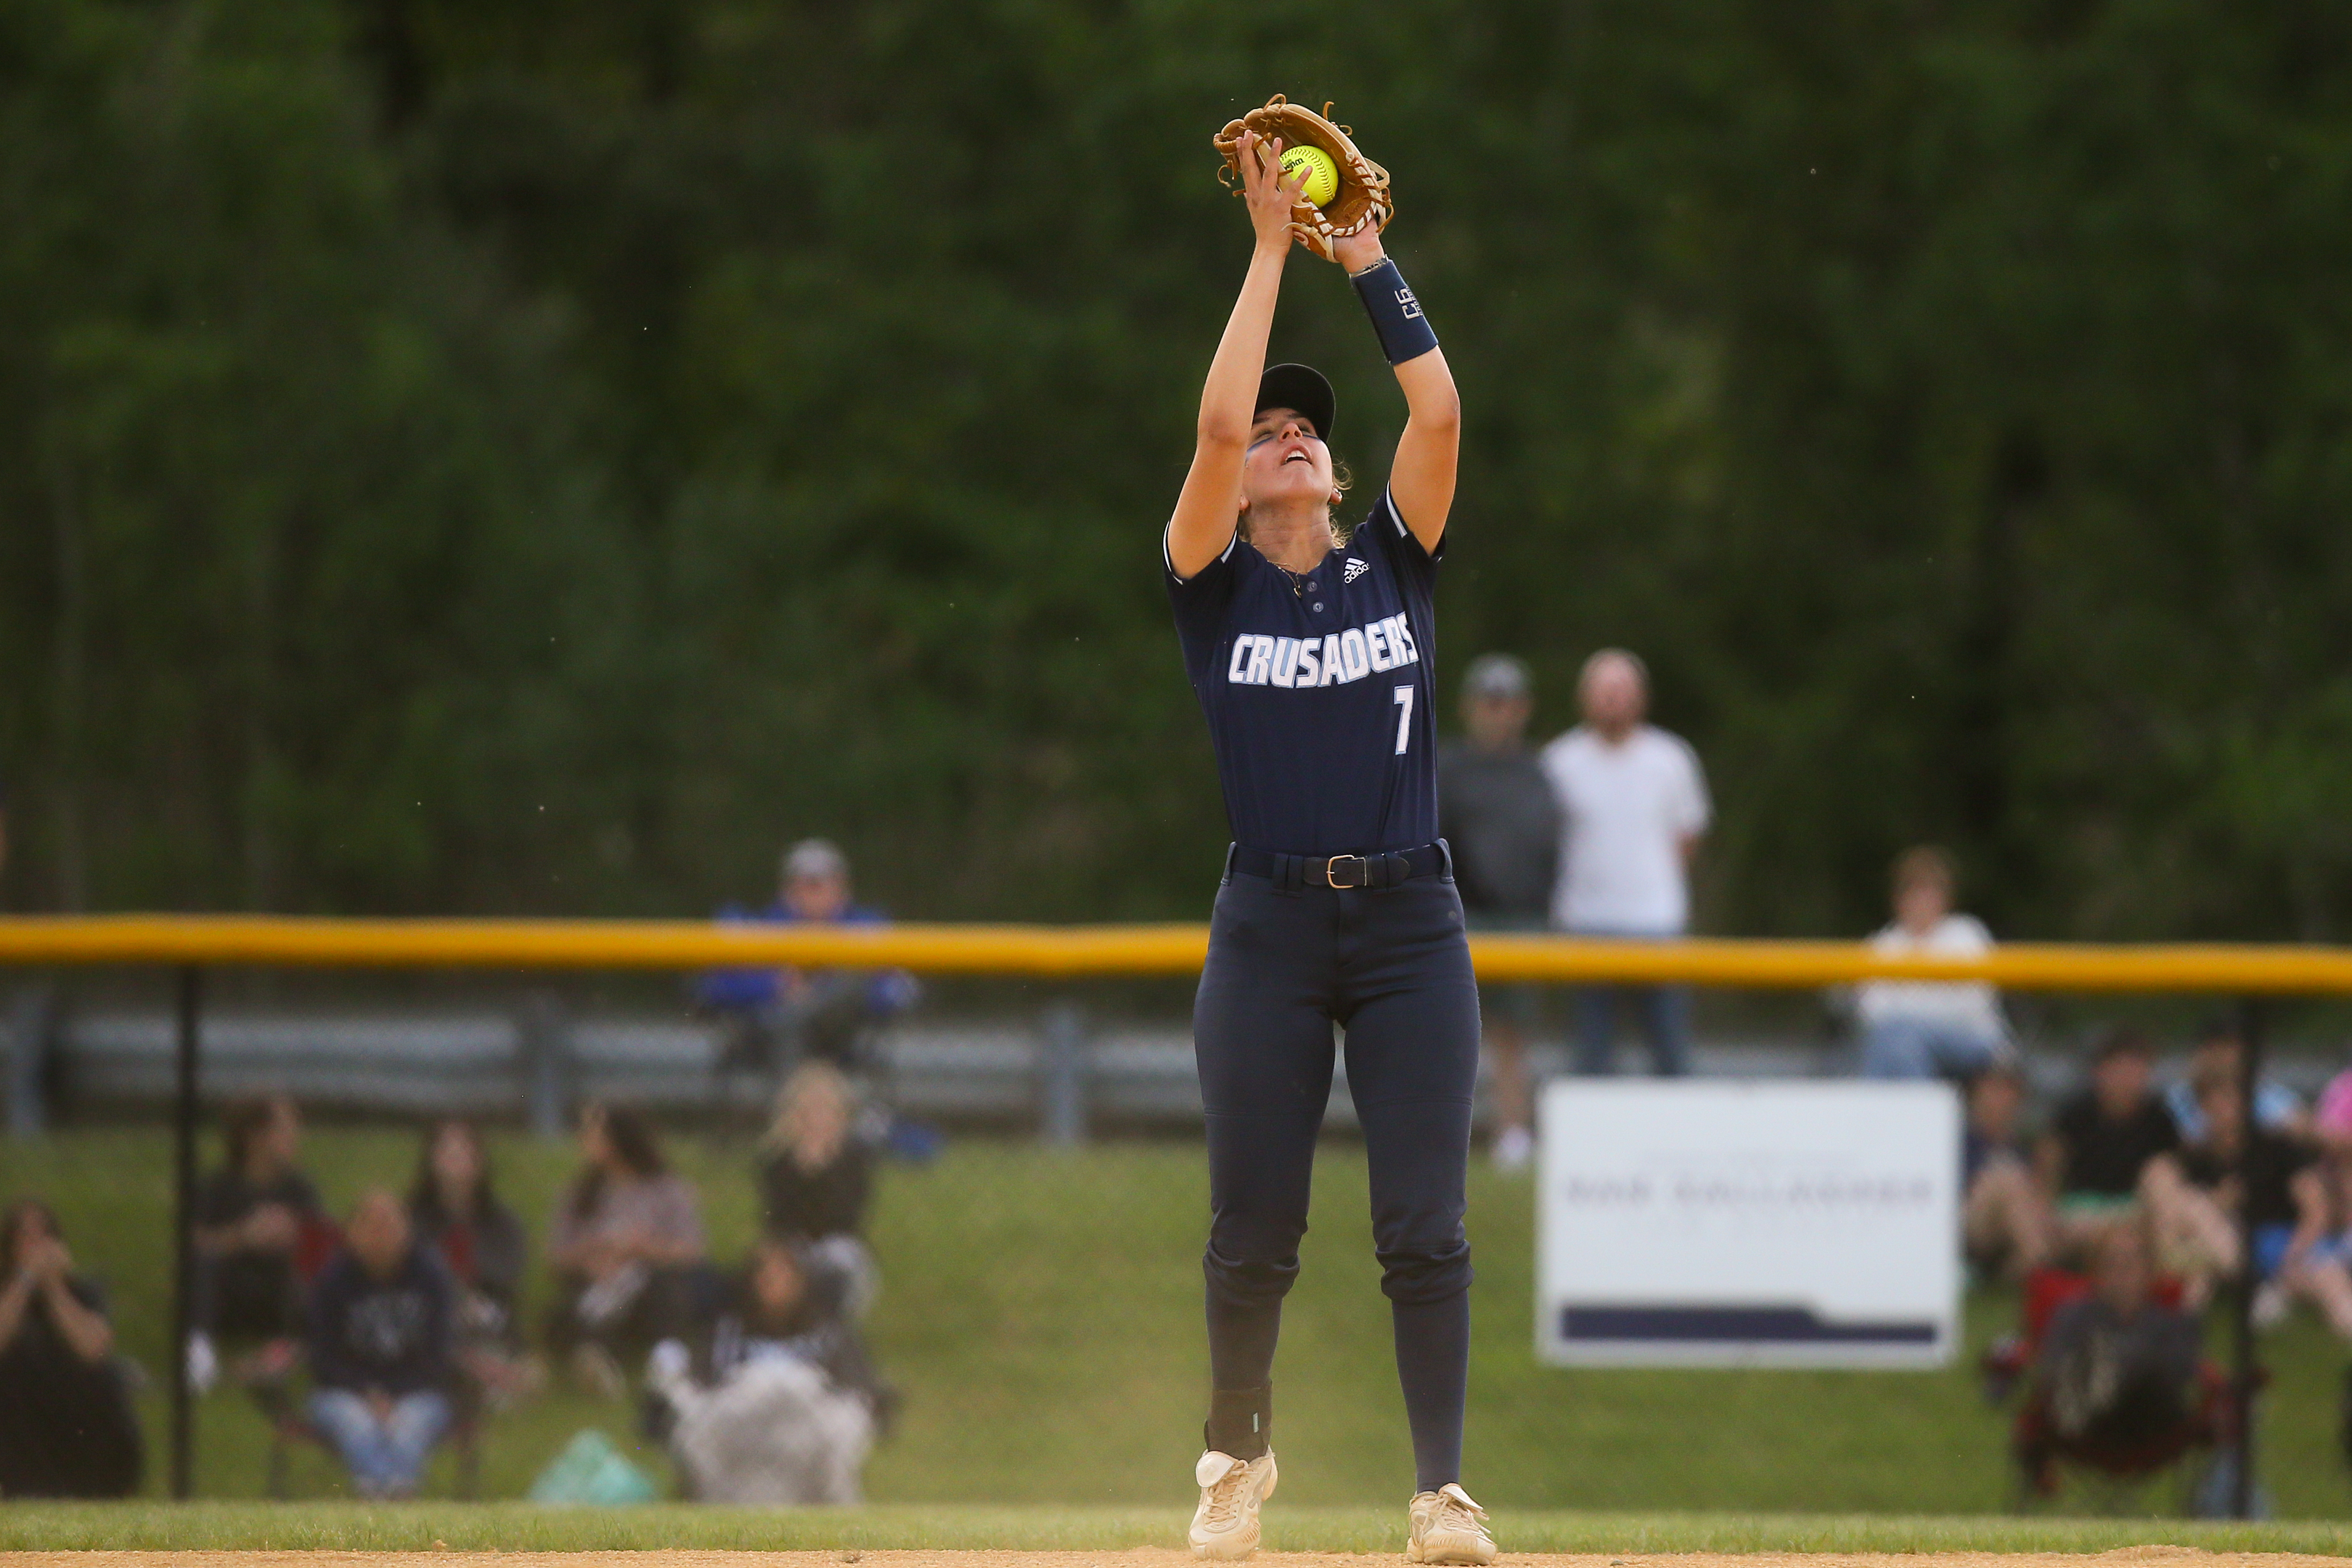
(780, 1016)
(1495, 812)
(814, 881)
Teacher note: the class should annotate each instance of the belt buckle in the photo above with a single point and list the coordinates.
(1363, 871)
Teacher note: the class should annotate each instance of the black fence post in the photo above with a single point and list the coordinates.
(2247, 1373)
(184, 1229)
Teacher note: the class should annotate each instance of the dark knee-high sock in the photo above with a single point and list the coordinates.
(1242, 1337)
(1433, 1353)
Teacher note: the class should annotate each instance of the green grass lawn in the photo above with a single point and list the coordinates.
(1041, 1309)
(521, 1527)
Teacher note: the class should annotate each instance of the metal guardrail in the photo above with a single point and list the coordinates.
(538, 1065)
(1060, 1075)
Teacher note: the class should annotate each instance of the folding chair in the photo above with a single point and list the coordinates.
(2041, 1451)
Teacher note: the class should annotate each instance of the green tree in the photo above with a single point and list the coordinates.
(470, 457)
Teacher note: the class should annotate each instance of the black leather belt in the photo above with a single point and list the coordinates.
(1377, 873)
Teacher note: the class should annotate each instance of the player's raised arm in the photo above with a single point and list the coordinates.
(1421, 481)
(1210, 506)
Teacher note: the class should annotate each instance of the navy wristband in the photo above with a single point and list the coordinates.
(1404, 332)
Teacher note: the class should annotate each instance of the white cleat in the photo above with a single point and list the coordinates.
(1224, 1527)
(1447, 1526)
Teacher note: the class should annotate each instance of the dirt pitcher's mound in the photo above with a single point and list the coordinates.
(1154, 1557)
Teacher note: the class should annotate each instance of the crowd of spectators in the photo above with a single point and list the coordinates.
(2128, 1217)
(2118, 1208)
(378, 1334)
(382, 1331)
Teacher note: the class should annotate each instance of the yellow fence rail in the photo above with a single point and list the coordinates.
(1040, 950)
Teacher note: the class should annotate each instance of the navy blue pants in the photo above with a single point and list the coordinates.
(1392, 969)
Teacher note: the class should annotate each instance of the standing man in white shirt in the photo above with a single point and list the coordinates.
(1633, 806)
(1929, 1028)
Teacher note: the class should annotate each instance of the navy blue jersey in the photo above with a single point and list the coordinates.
(1317, 690)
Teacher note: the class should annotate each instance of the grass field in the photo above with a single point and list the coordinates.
(521, 1527)
(1040, 1312)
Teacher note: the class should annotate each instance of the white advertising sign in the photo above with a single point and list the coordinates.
(1712, 1222)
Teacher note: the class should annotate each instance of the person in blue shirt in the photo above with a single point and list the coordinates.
(796, 1012)
(1311, 649)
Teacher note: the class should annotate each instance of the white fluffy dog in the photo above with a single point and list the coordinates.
(776, 1431)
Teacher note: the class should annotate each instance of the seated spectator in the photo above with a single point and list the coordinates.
(2005, 1219)
(2320, 1270)
(67, 1429)
(815, 1181)
(790, 1403)
(620, 1246)
(785, 1015)
(2331, 1117)
(482, 1244)
(252, 1217)
(2220, 1051)
(2196, 1197)
(1917, 1029)
(382, 1320)
(2116, 1377)
(780, 1307)
(2321, 1273)
(2100, 1140)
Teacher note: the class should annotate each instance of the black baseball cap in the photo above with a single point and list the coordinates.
(1300, 387)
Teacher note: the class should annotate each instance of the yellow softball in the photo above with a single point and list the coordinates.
(1321, 181)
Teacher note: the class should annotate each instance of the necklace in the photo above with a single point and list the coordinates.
(1297, 580)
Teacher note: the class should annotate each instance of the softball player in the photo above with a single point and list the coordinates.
(1310, 650)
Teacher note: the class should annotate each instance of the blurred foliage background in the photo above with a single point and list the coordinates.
(490, 456)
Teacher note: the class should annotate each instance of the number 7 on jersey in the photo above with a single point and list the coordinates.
(1405, 717)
